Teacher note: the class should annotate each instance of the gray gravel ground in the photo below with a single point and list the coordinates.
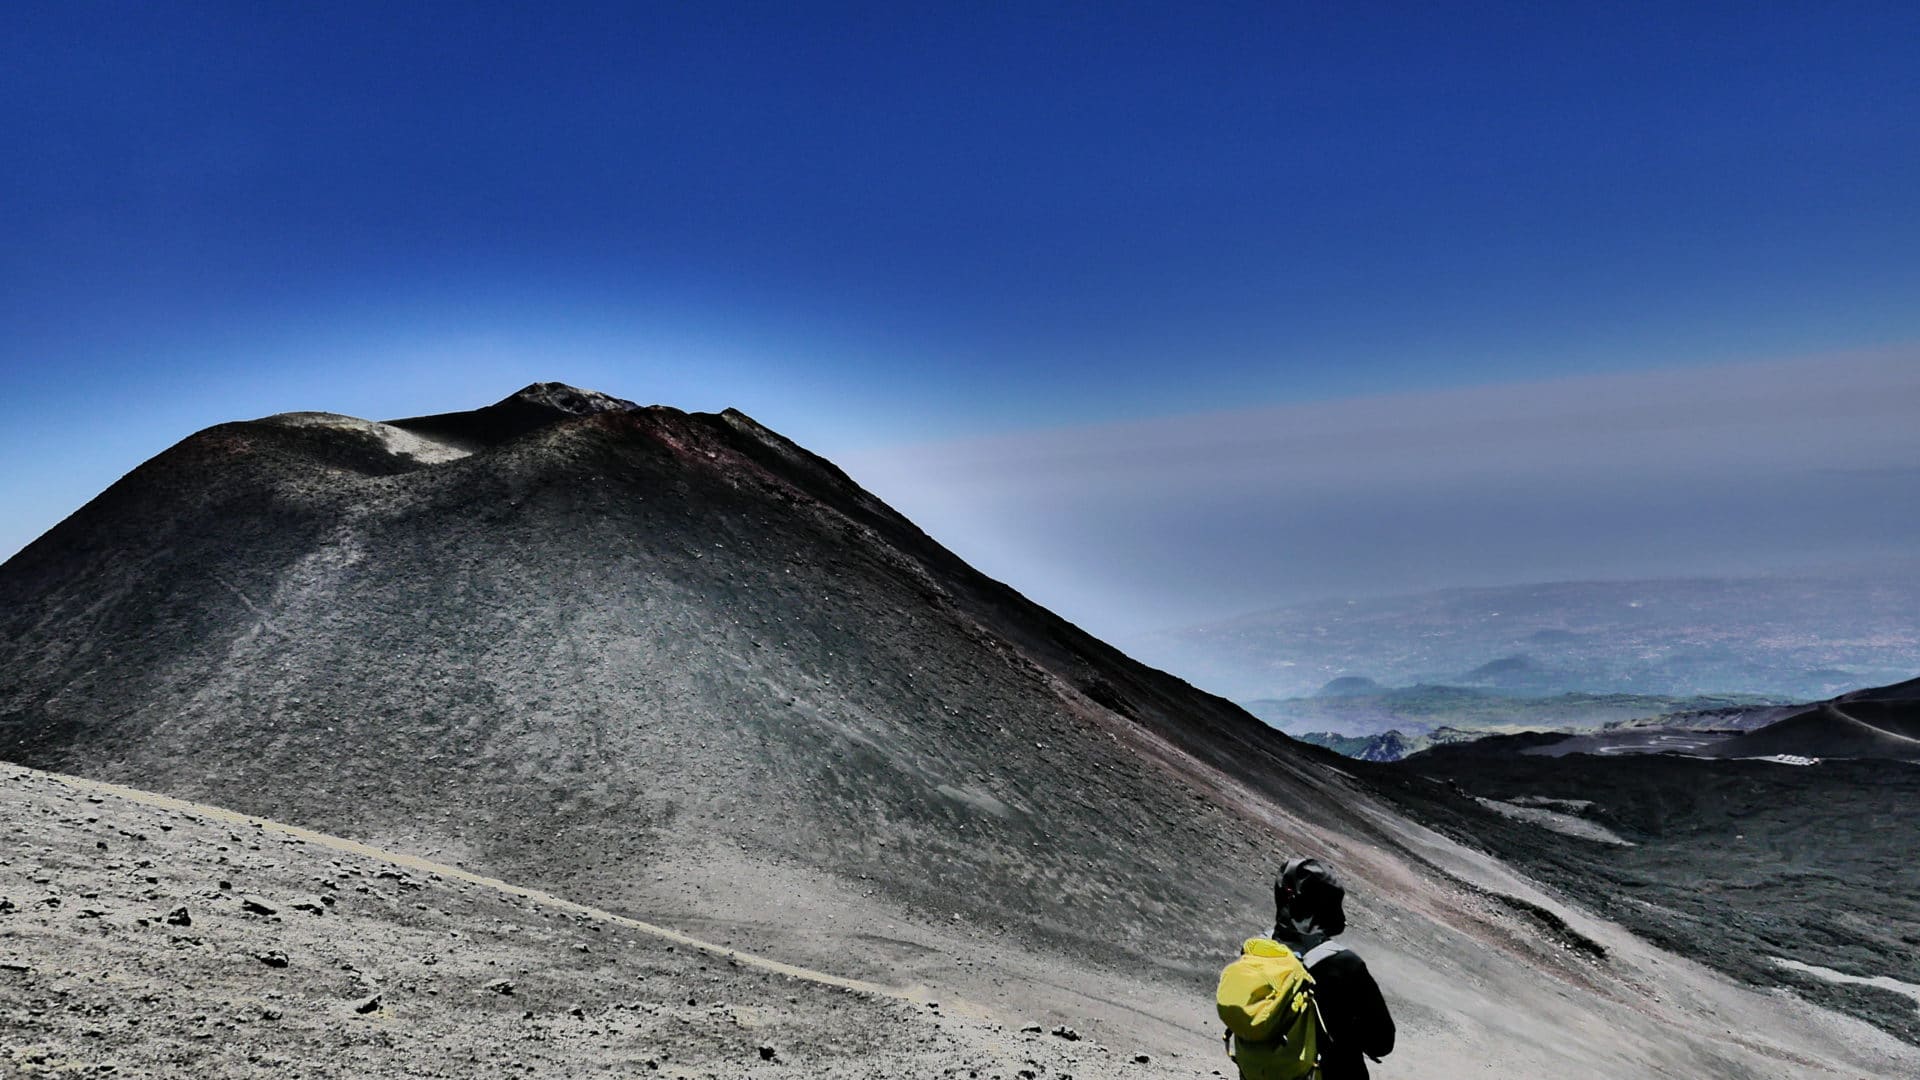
(296, 959)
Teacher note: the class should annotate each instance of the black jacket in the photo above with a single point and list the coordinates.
(1354, 1015)
(1310, 907)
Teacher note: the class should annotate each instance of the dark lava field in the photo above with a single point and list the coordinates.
(1738, 864)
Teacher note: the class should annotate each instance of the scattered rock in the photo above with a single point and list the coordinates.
(1031, 1029)
(1067, 1033)
(767, 1053)
(368, 1005)
(503, 987)
(273, 959)
(179, 917)
(257, 906)
(1141, 1059)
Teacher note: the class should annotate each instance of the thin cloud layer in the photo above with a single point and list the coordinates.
(1702, 470)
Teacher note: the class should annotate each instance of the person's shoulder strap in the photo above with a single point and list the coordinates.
(1321, 952)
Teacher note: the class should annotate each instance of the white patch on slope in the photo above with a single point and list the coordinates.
(397, 441)
(1884, 982)
(1566, 824)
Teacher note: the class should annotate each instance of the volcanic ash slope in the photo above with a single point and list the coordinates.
(675, 667)
(241, 948)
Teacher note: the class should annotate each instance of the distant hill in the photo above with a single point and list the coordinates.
(1514, 674)
(1505, 667)
(1825, 732)
(1782, 638)
(1879, 722)
(1388, 745)
(1883, 722)
(1416, 710)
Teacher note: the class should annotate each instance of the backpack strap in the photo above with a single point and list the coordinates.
(1311, 957)
(1321, 952)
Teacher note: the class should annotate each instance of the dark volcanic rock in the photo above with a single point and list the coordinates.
(1881, 722)
(1734, 863)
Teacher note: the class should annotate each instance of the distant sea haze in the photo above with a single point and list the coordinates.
(1714, 471)
(1791, 638)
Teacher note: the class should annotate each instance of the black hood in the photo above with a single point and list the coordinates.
(1308, 903)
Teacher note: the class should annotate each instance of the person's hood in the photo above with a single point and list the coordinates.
(1308, 903)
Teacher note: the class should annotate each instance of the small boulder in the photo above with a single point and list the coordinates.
(179, 917)
(367, 1005)
(503, 987)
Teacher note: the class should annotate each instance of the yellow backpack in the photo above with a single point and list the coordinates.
(1266, 1001)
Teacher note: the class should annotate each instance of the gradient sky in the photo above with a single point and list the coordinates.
(902, 233)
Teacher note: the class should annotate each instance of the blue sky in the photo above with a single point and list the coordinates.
(882, 227)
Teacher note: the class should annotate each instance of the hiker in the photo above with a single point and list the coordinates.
(1301, 997)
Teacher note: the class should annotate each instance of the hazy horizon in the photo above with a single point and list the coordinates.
(1721, 471)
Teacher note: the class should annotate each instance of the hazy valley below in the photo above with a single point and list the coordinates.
(1786, 638)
